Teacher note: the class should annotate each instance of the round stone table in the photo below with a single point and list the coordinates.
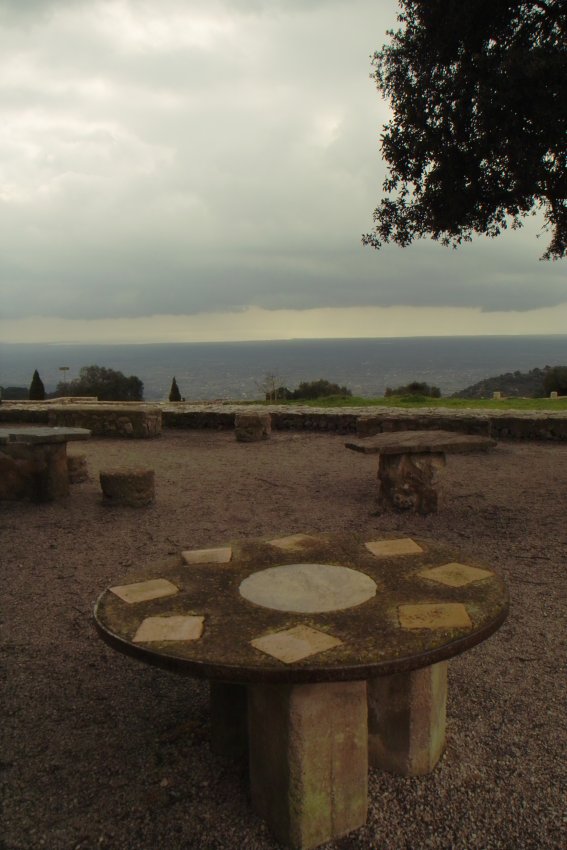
(330, 649)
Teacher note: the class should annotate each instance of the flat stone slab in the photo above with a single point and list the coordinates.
(295, 644)
(409, 618)
(42, 435)
(308, 588)
(421, 442)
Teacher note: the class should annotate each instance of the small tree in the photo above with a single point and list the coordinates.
(37, 390)
(174, 394)
(416, 388)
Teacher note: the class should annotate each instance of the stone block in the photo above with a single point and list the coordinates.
(134, 487)
(33, 471)
(406, 720)
(77, 468)
(229, 719)
(252, 427)
(309, 759)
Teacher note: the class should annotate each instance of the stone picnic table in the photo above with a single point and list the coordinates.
(408, 462)
(331, 649)
(33, 462)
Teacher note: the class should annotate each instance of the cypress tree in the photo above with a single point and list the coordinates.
(174, 394)
(37, 390)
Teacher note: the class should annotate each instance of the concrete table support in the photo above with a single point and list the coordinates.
(33, 462)
(229, 719)
(333, 646)
(309, 759)
(406, 720)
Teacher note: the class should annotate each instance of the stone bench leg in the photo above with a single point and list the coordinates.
(229, 719)
(407, 481)
(406, 720)
(309, 759)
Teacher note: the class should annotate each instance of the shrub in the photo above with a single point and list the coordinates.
(319, 389)
(416, 388)
(555, 380)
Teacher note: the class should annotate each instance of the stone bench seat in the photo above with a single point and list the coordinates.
(408, 462)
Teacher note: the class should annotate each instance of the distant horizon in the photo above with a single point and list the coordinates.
(280, 339)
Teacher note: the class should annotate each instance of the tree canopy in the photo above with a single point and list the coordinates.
(478, 138)
(105, 384)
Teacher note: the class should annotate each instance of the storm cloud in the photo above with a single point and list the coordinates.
(183, 156)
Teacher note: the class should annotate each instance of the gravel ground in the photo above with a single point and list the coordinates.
(100, 751)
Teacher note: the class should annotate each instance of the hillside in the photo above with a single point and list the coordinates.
(521, 384)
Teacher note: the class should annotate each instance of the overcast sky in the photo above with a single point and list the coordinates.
(204, 169)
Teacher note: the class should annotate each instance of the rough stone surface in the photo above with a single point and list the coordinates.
(229, 719)
(252, 427)
(134, 487)
(406, 720)
(308, 760)
(77, 468)
(406, 482)
(134, 421)
(33, 471)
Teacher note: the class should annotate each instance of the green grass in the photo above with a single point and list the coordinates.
(546, 404)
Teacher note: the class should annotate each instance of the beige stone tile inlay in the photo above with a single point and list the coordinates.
(143, 591)
(400, 546)
(456, 575)
(178, 628)
(294, 644)
(431, 615)
(219, 555)
(293, 541)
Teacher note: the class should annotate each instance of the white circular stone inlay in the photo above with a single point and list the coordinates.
(308, 588)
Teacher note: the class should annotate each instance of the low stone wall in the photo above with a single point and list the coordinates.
(138, 422)
(142, 421)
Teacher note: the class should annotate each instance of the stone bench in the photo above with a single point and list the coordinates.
(127, 486)
(408, 462)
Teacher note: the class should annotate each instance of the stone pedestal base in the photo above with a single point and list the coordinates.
(229, 719)
(134, 487)
(406, 720)
(33, 471)
(407, 481)
(309, 759)
(77, 468)
(252, 427)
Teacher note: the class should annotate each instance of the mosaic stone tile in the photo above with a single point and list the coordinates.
(400, 546)
(294, 542)
(219, 555)
(295, 644)
(175, 628)
(431, 615)
(456, 575)
(143, 591)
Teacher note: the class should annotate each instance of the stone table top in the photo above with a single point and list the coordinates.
(413, 442)
(42, 435)
(303, 608)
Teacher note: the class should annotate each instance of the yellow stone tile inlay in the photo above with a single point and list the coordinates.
(293, 541)
(219, 555)
(294, 644)
(400, 546)
(431, 615)
(178, 628)
(456, 575)
(143, 591)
